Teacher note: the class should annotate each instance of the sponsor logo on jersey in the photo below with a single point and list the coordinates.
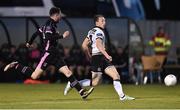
(99, 34)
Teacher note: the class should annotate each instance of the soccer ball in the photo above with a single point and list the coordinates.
(170, 80)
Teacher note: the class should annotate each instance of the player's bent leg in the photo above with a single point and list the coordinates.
(68, 88)
(66, 71)
(96, 78)
(83, 83)
(112, 72)
(37, 73)
(74, 83)
(24, 70)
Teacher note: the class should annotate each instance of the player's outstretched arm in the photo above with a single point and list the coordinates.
(33, 37)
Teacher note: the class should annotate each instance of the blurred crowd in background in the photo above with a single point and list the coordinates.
(74, 57)
(131, 25)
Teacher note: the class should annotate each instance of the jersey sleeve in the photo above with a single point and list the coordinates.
(99, 34)
(33, 37)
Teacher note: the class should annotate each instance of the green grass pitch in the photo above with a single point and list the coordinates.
(50, 96)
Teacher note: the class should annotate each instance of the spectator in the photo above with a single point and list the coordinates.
(122, 64)
(12, 56)
(76, 60)
(161, 42)
(22, 53)
(5, 52)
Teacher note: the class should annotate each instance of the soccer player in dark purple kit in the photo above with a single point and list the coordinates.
(51, 54)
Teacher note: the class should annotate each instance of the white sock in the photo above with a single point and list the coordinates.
(85, 82)
(118, 88)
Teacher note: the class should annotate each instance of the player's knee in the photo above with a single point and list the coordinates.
(68, 73)
(116, 76)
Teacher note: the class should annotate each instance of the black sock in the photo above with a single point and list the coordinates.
(25, 70)
(74, 83)
(91, 82)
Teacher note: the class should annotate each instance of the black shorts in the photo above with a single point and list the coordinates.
(99, 63)
(49, 58)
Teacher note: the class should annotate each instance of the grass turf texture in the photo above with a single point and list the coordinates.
(104, 97)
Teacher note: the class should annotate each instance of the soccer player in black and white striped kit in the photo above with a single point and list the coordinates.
(100, 59)
(51, 54)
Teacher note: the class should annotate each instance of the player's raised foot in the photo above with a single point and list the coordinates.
(10, 65)
(126, 97)
(67, 88)
(86, 93)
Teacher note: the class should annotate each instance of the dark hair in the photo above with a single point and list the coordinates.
(54, 10)
(96, 18)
